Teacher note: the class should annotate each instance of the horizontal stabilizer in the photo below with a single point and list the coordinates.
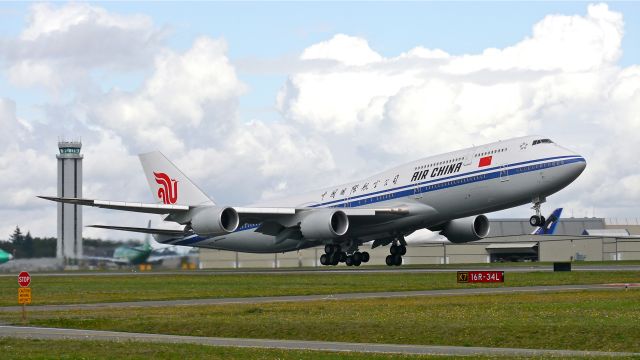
(119, 205)
(142, 230)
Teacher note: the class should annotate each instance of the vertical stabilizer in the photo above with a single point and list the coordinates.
(168, 184)
(147, 238)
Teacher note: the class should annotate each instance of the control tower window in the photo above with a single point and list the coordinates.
(542, 141)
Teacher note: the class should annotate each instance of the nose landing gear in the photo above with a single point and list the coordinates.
(537, 219)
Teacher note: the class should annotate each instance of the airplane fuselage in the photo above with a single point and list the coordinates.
(454, 185)
(132, 255)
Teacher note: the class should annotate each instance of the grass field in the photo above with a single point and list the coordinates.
(71, 349)
(606, 320)
(111, 288)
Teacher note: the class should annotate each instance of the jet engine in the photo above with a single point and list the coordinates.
(324, 224)
(466, 229)
(215, 221)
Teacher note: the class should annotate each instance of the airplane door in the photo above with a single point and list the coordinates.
(468, 158)
(417, 192)
(504, 172)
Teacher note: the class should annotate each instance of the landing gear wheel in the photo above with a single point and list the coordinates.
(357, 257)
(356, 263)
(403, 250)
(323, 259)
(397, 260)
(365, 257)
(343, 256)
(328, 248)
(394, 249)
(335, 259)
(389, 260)
(349, 261)
(535, 220)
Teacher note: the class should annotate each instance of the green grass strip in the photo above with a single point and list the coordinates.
(113, 288)
(603, 320)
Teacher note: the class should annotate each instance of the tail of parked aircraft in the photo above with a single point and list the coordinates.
(168, 184)
(147, 238)
(549, 227)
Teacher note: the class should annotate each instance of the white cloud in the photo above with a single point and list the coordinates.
(563, 81)
(188, 97)
(559, 42)
(10, 127)
(45, 20)
(346, 111)
(347, 50)
(62, 44)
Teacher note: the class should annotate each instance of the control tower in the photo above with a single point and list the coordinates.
(69, 246)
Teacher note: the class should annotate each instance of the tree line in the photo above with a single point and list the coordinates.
(26, 246)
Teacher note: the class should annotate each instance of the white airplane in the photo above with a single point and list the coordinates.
(445, 193)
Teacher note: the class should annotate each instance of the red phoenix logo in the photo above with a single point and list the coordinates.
(168, 193)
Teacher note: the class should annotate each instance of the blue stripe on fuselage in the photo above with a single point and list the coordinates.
(463, 176)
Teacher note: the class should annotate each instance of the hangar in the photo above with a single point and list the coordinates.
(576, 239)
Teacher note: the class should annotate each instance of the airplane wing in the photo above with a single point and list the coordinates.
(141, 230)
(120, 205)
(106, 259)
(278, 221)
(254, 212)
(158, 258)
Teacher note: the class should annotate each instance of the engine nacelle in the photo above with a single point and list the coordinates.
(466, 229)
(324, 224)
(215, 221)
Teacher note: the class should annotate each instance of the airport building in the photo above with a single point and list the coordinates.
(69, 245)
(576, 239)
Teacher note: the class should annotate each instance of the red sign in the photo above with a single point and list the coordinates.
(24, 279)
(480, 276)
(485, 161)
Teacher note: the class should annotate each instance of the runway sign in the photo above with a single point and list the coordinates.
(24, 295)
(480, 276)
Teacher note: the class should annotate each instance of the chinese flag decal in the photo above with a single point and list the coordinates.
(485, 161)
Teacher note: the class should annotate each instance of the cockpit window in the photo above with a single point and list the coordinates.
(542, 141)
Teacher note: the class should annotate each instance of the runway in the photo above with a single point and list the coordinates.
(56, 333)
(337, 270)
(298, 298)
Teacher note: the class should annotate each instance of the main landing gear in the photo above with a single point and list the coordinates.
(397, 250)
(537, 219)
(334, 255)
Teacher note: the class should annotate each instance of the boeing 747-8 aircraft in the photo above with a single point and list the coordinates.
(446, 193)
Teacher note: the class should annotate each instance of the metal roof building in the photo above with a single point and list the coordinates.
(568, 226)
(508, 240)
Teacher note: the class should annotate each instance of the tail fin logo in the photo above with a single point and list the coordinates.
(168, 192)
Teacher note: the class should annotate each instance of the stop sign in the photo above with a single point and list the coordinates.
(24, 279)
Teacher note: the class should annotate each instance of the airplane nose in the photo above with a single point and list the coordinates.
(10, 257)
(579, 166)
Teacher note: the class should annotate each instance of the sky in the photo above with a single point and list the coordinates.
(255, 101)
